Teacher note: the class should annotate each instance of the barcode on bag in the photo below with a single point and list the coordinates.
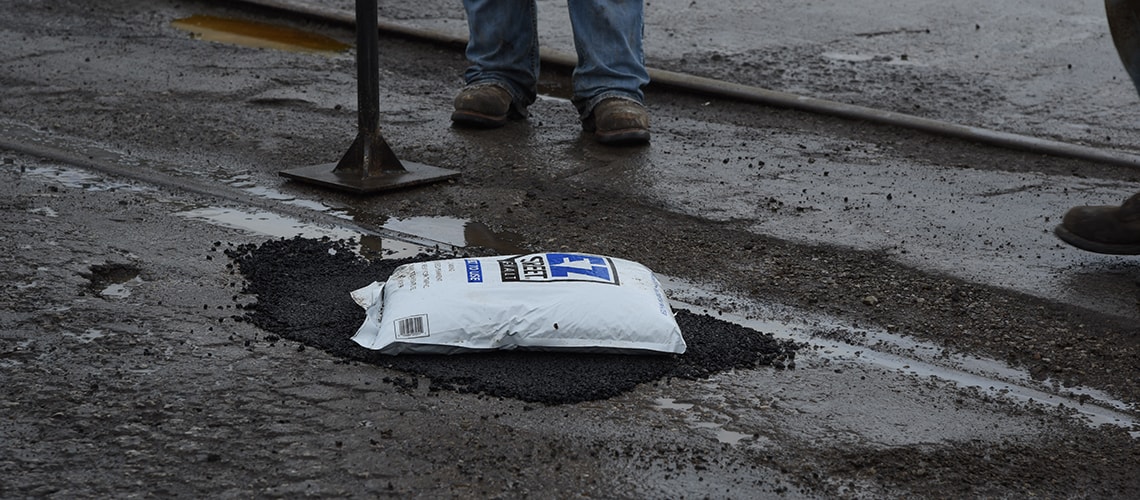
(412, 327)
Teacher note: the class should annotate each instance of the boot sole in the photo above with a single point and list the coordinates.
(1095, 247)
(627, 137)
(478, 120)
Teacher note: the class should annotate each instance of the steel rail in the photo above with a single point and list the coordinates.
(745, 93)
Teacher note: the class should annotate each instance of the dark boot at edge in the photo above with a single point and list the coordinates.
(1113, 230)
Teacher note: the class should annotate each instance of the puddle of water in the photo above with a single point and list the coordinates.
(559, 88)
(120, 290)
(899, 353)
(278, 226)
(671, 404)
(275, 195)
(257, 35)
(113, 280)
(87, 336)
(246, 183)
(79, 179)
(723, 435)
(555, 91)
(457, 232)
(266, 223)
(545, 97)
(44, 211)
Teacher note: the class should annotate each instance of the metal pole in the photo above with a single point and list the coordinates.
(370, 154)
(369, 165)
(367, 67)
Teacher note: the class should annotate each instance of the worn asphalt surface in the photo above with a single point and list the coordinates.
(158, 337)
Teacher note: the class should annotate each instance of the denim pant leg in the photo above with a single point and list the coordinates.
(503, 47)
(611, 60)
(1124, 24)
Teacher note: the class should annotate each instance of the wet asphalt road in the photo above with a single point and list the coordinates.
(1042, 69)
(129, 374)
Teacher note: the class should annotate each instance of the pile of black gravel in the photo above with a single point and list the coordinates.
(302, 289)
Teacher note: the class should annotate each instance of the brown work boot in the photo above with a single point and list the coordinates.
(618, 122)
(482, 106)
(1103, 229)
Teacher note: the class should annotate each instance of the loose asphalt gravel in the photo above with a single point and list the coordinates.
(300, 290)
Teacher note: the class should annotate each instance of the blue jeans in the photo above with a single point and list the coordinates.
(503, 49)
(1124, 23)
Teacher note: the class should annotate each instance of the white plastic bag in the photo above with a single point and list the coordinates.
(563, 301)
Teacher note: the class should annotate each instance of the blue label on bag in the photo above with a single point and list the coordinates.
(558, 267)
(474, 271)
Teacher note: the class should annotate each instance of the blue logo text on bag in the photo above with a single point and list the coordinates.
(552, 267)
(474, 271)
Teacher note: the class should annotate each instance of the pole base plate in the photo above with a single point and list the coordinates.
(326, 175)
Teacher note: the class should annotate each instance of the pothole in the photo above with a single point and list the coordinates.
(303, 294)
(112, 280)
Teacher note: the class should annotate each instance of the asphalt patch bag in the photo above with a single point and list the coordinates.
(542, 301)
